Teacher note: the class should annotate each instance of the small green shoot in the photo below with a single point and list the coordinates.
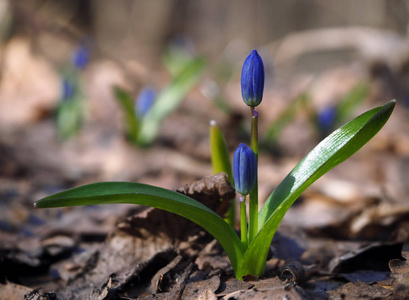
(132, 120)
(221, 163)
(71, 105)
(143, 130)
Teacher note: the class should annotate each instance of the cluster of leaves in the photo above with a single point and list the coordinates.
(142, 128)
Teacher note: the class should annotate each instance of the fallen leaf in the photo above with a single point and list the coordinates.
(361, 290)
(12, 291)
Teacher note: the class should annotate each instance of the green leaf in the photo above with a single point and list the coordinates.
(131, 119)
(175, 58)
(169, 99)
(142, 194)
(221, 163)
(333, 150)
(69, 117)
(70, 111)
(219, 153)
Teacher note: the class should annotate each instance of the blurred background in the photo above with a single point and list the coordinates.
(96, 90)
(70, 72)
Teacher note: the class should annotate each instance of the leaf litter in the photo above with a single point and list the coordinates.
(159, 264)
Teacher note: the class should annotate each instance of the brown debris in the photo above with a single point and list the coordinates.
(293, 271)
(374, 256)
(201, 284)
(159, 278)
(359, 290)
(271, 288)
(377, 216)
(12, 291)
(210, 190)
(231, 285)
(400, 269)
(207, 295)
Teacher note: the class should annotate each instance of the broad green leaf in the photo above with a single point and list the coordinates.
(169, 99)
(142, 194)
(333, 150)
(128, 107)
(221, 163)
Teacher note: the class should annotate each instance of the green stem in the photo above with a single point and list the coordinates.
(253, 202)
(243, 222)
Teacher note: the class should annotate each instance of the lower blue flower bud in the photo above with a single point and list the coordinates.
(244, 169)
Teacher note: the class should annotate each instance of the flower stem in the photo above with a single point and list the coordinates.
(243, 221)
(253, 202)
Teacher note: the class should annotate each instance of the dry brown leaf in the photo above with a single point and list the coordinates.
(198, 287)
(12, 291)
(359, 290)
(400, 268)
(383, 214)
(210, 190)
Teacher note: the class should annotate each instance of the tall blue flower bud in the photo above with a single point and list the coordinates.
(252, 79)
(244, 169)
(145, 101)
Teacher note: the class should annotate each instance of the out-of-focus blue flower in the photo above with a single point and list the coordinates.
(67, 89)
(80, 57)
(145, 101)
(252, 79)
(326, 118)
(244, 169)
(406, 101)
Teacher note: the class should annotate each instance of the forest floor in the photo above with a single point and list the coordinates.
(345, 238)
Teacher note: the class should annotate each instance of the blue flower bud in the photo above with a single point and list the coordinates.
(252, 79)
(80, 57)
(145, 101)
(244, 169)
